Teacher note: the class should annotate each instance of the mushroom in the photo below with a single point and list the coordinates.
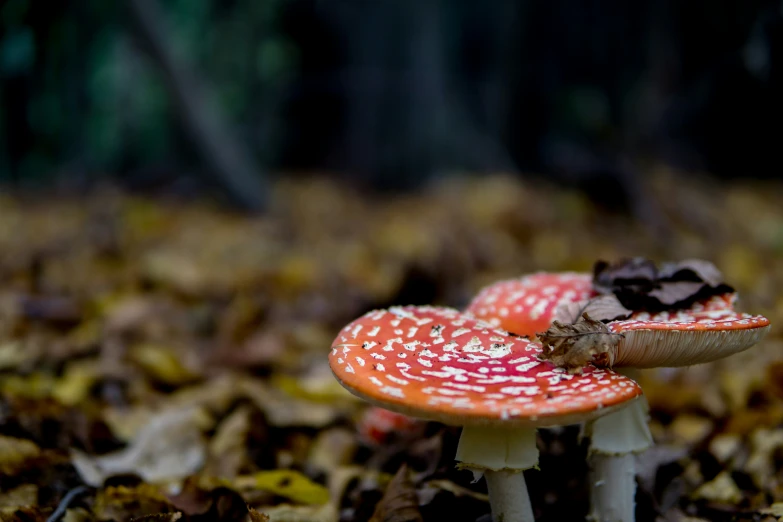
(440, 364)
(706, 331)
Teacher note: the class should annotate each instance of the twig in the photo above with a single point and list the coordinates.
(65, 502)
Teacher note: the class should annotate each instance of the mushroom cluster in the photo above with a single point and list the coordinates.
(466, 369)
(696, 331)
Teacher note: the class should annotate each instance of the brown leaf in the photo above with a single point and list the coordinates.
(126, 503)
(159, 517)
(640, 285)
(255, 516)
(697, 270)
(637, 273)
(399, 502)
(574, 346)
(671, 293)
(601, 308)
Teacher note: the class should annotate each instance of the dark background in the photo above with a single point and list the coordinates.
(194, 94)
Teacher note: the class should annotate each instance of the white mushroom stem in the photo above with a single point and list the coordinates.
(508, 496)
(614, 441)
(501, 454)
(612, 499)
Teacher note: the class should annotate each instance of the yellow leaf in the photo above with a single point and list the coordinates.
(34, 386)
(22, 496)
(14, 452)
(75, 384)
(161, 364)
(285, 483)
(77, 515)
(12, 354)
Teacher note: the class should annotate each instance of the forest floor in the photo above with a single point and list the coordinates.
(162, 360)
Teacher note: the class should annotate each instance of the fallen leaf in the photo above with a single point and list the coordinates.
(332, 448)
(775, 510)
(25, 495)
(399, 503)
(283, 410)
(75, 384)
(288, 513)
(760, 464)
(159, 517)
(77, 515)
(170, 447)
(12, 355)
(721, 489)
(640, 285)
(14, 452)
(574, 346)
(218, 503)
(123, 504)
(227, 452)
(637, 274)
(725, 446)
(691, 429)
(670, 294)
(697, 270)
(286, 483)
(601, 308)
(161, 364)
(255, 516)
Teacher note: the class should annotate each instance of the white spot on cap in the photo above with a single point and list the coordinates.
(394, 392)
(397, 380)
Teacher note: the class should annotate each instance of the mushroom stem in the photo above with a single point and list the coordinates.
(501, 454)
(508, 496)
(614, 439)
(612, 488)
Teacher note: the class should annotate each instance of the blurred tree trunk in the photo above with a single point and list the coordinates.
(229, 162)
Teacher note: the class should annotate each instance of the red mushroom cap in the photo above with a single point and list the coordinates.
(527, 305)
(440, 364)
(705, 332)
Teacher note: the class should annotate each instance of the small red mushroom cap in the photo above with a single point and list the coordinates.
(378, 425)
(707, 331)
(437, 363)
(526, 306)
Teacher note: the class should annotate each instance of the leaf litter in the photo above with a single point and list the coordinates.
(171, 366)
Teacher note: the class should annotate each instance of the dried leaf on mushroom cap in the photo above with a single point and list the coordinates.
(691, 270)
(637, 274)
(574, 346)
(640, 285)
(709, 330)
(601, 308)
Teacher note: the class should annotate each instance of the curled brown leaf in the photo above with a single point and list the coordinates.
(574, 346)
